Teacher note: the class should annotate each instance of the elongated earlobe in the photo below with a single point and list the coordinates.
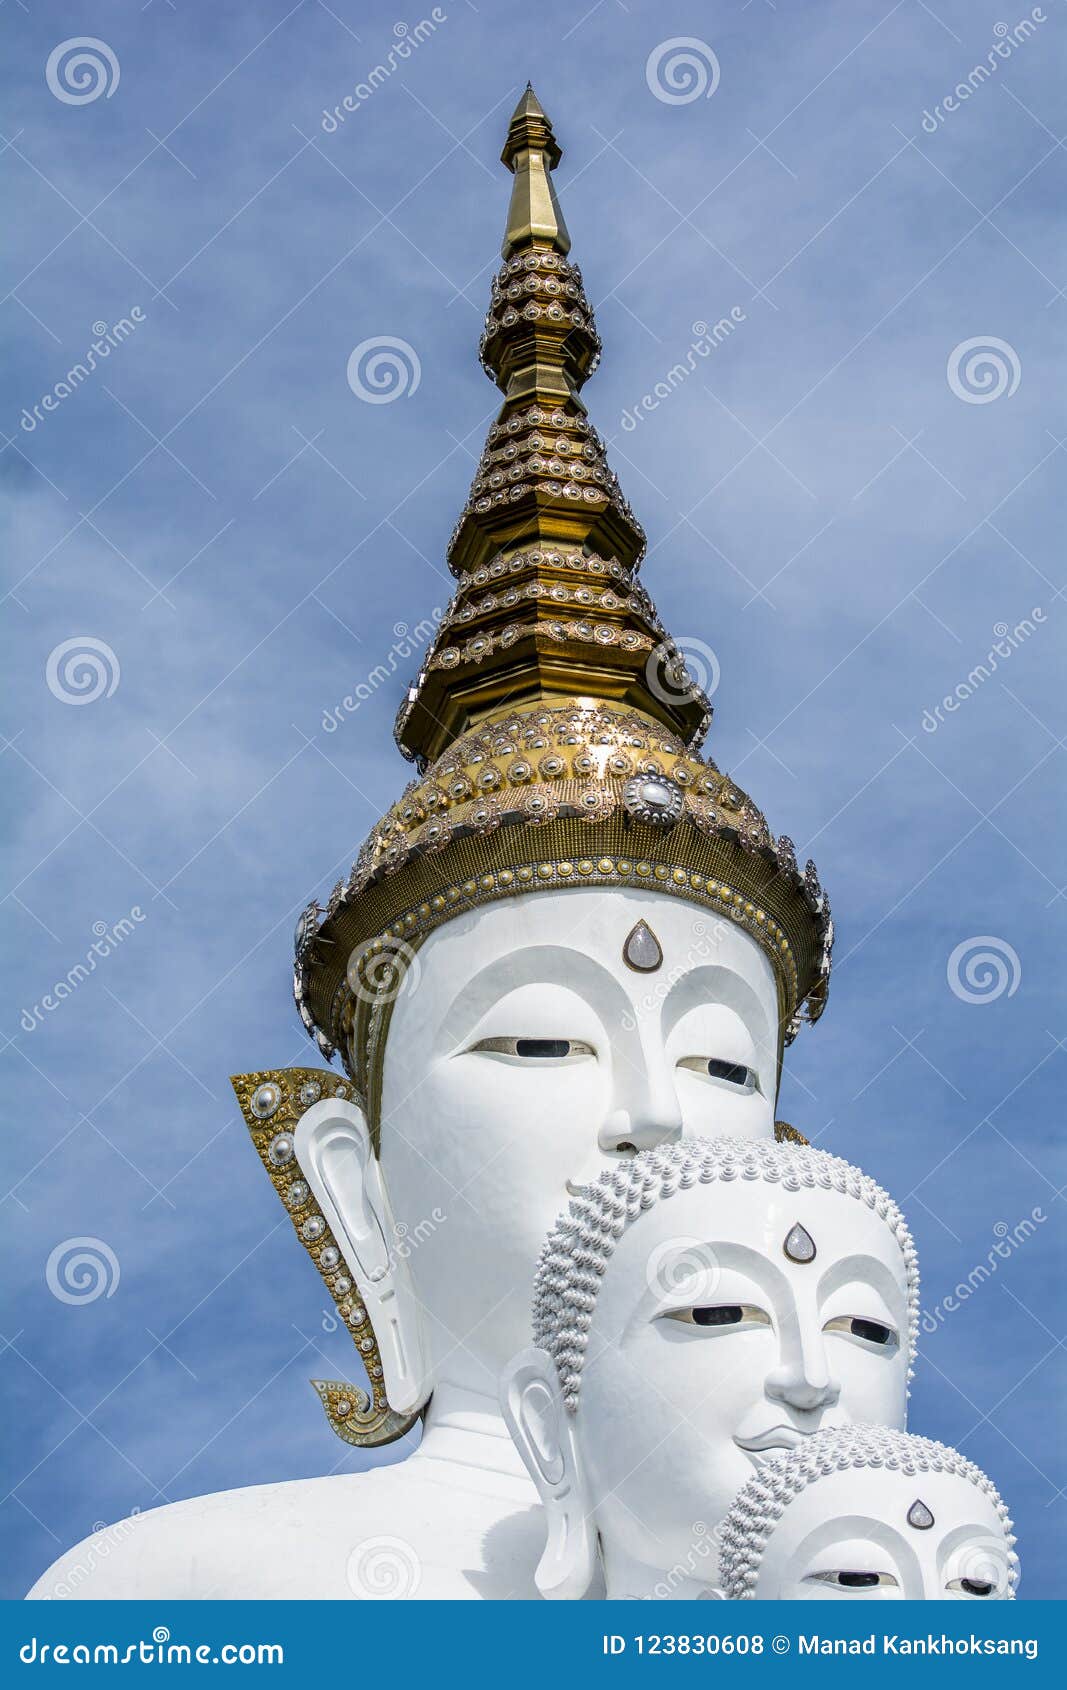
(544, 1434)
(333, 1147)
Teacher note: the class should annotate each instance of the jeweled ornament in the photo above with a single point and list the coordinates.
(799, 1245)
(266, 1101)
(281, 1149)
(656, 802)
(642, 951)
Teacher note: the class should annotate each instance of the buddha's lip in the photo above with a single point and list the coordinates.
(775, 1437)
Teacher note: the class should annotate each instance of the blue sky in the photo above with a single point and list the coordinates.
(839, 521)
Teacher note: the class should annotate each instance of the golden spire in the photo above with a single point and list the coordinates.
(532, 153)
(546, 518)
(554, 728)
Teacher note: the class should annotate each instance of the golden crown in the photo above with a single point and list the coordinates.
(554, 726)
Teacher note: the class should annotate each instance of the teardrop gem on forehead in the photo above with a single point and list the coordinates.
(920, 1516)
(642, 950)
(799, 1245)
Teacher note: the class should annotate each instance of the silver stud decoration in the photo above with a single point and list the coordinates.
(653, 800)
(281, 1150)
(306, 928)
(266, 1101)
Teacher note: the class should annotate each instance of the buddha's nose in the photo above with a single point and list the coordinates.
(803, 1378)
(644, 1110)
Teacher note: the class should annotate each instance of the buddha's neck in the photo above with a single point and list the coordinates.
(465, 1426)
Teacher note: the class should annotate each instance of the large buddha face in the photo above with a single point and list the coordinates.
(887, 1536)
(732, 1321)
(525, 1052)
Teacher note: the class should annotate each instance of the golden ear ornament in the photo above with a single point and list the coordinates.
(272, 1102)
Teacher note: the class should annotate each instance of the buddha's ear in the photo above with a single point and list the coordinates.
(336, 1157)
(543, 1432)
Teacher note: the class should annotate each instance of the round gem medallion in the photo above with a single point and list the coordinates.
(653, 800)
(281, 1150)
(266, 1101)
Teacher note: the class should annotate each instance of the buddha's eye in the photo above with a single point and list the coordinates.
(548, 1051)
(874, 1333)
(845, 1580)
(972, 1587)
(733, 1317)
(733, 1074)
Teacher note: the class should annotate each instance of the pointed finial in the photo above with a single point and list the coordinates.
(531, 152)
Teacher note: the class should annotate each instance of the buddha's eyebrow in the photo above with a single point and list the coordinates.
(855, 1265)
(764, 1275)
(554, 966)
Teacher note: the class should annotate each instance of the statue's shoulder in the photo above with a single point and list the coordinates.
(265, 1541)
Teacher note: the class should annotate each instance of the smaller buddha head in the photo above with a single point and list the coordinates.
(702, 1305)
(865, 1511)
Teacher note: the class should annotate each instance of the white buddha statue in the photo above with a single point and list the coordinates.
(700, 1307)
(868, 1512)
(570, 939)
